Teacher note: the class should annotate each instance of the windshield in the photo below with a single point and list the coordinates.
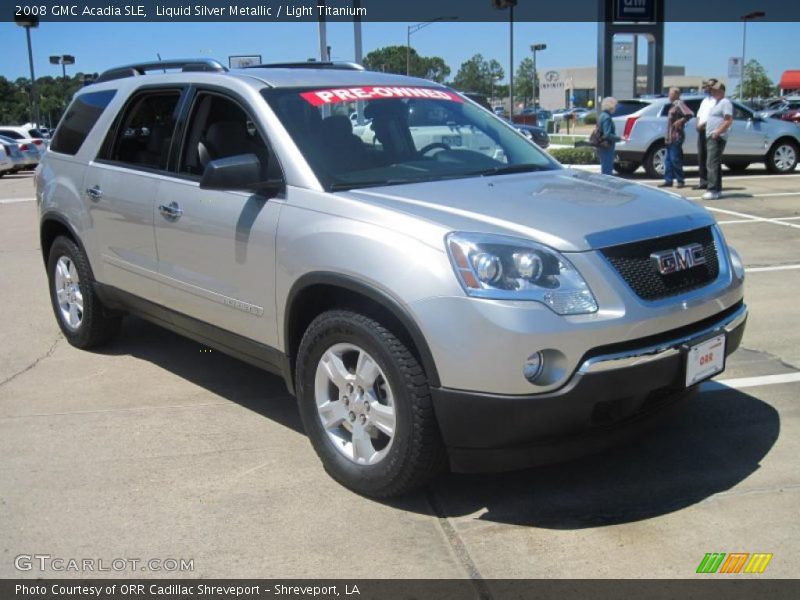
(370, 136)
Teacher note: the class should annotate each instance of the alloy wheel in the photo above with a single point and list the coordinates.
(68, 293)
(355, 403)
(785, 157)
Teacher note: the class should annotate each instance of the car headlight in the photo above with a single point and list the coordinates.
(506, 268)
(736, 263)
(526, 133)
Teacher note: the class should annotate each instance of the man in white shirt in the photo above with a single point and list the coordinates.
(702, 118)
(720, 119)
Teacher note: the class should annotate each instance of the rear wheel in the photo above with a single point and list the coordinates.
(782, 157)
(655, 160)
(80, 314)
(366, 407)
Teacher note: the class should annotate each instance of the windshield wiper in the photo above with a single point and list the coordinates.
(338, 187)
(508, 169)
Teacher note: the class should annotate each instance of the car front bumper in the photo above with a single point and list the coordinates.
(617, 392)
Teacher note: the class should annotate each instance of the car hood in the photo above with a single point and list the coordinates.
(567, 209)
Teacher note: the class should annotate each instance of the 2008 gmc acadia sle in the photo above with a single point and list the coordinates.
(433, 288)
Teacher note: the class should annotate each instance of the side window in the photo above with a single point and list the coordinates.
(694, 105)
(78, 121)
(741, 114)
(144, 134)
(219, 128)
(10, 133)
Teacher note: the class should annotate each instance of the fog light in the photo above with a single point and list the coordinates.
(533, 367)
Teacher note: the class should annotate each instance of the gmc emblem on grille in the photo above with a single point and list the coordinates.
(679, 259)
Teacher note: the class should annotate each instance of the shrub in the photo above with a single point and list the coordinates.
(575, 156)
(590, 119)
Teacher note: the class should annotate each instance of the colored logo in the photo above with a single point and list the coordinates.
(735, 562)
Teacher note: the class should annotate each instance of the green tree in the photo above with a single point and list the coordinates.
(757, 83)
(392, 59)
(435, 69)
(477, 74)
(523, 83)
(54, 95)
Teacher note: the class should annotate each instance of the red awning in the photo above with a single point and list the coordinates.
(790, 80)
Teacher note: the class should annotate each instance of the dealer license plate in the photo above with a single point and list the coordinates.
(705, 360)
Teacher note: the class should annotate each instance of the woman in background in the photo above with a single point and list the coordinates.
(608, 135)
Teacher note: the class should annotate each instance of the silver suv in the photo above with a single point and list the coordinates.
(442, 294)
(752, 138)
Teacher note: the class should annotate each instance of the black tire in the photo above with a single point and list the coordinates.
(776, 163)
(97, 324)
(626, 168)
(650, 163)
(737, 167)
(416, 454)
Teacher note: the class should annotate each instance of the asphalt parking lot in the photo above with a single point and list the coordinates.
(153, 448)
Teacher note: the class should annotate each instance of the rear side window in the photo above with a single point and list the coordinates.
(78, 121)
(144, 135)
(10, 133)
(626, 107)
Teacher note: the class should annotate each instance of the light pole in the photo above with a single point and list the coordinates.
(414, 29)
(493, 78)
(502, 5)
(535, 81)
(63, 60)
(28, 23)
(745, 18)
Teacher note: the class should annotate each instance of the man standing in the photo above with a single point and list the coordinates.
(720, 119)
(702, 118)
(677, 117)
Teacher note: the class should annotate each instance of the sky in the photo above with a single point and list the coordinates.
(702, 48)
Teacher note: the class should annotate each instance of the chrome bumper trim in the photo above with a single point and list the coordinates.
(640, 356)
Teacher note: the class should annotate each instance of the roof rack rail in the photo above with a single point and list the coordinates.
(311, 64)
(189, 64)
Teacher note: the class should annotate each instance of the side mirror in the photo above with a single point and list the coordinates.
(238, 173)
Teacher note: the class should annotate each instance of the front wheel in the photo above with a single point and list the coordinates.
(366, 407)
(83, 319)
(782, 157)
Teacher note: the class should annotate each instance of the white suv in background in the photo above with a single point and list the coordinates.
(642, 122)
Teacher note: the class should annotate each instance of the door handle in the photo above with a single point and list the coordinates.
(171, 211)
(94, 193)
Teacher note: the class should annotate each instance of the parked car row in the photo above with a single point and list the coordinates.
(752, 138)
(22, 147)
(776, 108)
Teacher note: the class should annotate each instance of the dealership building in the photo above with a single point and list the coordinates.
(558, 86)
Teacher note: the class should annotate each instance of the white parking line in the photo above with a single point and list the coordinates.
(735, 221)
(733, 213)
(748, 382)
(15, 200)
(775, 268)
(750, 196)
(728, 176)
